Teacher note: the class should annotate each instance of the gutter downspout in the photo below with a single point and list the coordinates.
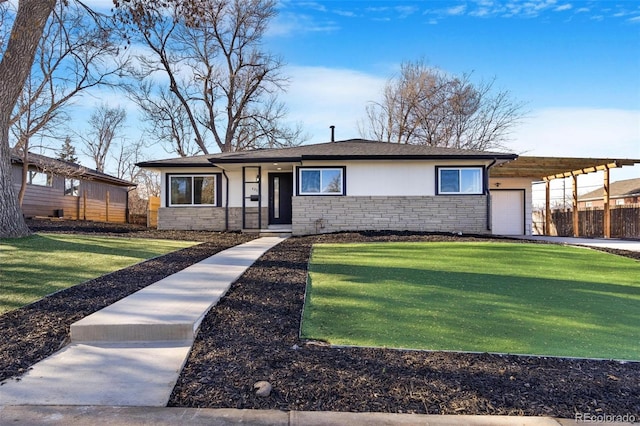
(488, 194)
(226, 201)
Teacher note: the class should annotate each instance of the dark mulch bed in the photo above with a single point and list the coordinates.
(252, 335)
(35, 331)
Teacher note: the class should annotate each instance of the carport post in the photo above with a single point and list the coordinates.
(547, 207)
(576, 223)
(607, 210)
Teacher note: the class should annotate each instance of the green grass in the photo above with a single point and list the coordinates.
(486, 297)
(41, 264)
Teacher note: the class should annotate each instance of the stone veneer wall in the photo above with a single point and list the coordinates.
(442, 213)
(207, 218)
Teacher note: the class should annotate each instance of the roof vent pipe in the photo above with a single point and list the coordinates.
(333, 133)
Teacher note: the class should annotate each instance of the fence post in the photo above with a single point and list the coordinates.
(547, 216)
(607, 207)
(576, 220)
(84, 205)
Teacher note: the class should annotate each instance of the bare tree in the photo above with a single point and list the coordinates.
(126, 159)
(106, 124)
(168, 121)
(28, 26)
(221, 84)
(426, 106)
(17, 58)
(75, 53)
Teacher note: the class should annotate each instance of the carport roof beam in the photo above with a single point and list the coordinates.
(584, 171)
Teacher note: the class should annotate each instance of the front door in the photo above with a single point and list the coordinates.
(280, 193)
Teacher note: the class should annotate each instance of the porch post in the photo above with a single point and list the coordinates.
(607, 210)
(576, 221)
(547, 207)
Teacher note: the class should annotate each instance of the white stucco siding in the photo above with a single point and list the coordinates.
(398, 178)
(392, 178)
(235, 188)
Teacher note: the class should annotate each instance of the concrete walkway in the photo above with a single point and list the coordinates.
(614, 243)
(131, 353)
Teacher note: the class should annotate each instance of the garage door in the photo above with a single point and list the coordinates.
(507, 212)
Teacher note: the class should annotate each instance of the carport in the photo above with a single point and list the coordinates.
(549, 168)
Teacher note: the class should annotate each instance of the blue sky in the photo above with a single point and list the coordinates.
(575, 64)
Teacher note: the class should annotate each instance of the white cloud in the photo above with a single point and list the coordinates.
(563, 7)
(580, 132)
(405, 11)
(457, 10)
(287, 23)
(320, 97)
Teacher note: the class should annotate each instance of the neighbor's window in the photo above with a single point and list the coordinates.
(71, 187)
(460, 180)
(192, 190)
(37, 177)
(321, 181)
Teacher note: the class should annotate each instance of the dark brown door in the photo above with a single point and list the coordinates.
(280, 193)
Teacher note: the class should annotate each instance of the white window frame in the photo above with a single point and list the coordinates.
(341, 170)
(459, 169)
(192, 176)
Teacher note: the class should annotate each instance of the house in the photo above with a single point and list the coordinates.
(622, 192)
(345, 185)
(57, 188)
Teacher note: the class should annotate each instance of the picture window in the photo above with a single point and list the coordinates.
(192, 190)
(460, 180)
(321, 181)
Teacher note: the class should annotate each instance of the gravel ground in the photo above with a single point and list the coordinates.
(252, 335)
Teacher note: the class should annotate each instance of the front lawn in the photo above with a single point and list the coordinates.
(41, 264)
(500, 297)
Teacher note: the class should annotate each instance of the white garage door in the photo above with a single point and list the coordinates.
(507, 212)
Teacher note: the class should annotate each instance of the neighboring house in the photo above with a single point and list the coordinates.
(57, 188)
(622, 192)
(342, 186)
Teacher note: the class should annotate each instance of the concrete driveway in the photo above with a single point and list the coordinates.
(614, 243)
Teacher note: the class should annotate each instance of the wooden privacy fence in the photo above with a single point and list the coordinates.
(625, 222)
(152, 212)
(97, 210)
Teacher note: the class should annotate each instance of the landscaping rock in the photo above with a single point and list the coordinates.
(263, 388)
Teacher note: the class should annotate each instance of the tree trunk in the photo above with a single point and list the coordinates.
(15, 67)
(25, 176)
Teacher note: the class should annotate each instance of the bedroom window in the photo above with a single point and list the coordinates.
(37, 177)
(321, 181)
(192, 190)
(71, 187)
(459, 180)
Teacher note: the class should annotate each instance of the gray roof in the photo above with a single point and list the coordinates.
(353, 149)
(67, 167)
(619, 189)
